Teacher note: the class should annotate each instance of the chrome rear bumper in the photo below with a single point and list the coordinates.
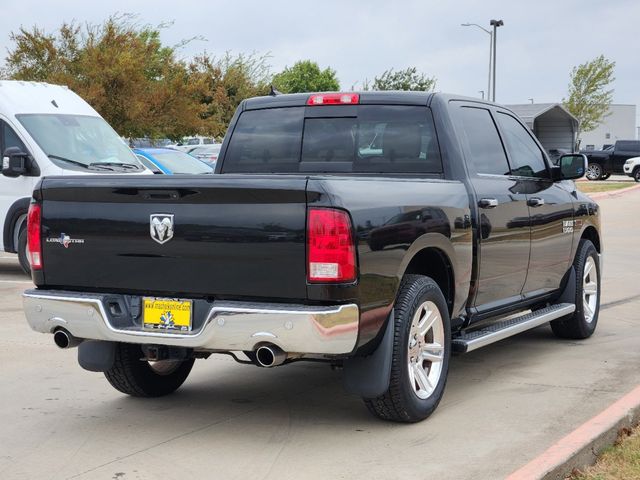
(229, 326)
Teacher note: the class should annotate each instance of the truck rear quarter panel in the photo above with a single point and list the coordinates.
(394, 219)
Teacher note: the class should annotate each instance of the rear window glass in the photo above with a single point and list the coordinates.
(379, 138)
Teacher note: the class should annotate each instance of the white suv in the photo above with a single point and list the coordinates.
(632, 168)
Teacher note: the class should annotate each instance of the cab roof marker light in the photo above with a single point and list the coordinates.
(333, 99)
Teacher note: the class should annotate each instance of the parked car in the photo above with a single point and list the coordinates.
(632, 168)
(148, 142)
(271, 257)
(48, 130)
(602, 163)
(207, 153)
(169, 161)
(189, 143)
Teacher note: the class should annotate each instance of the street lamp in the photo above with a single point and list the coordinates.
(490, 49)
(495, 24)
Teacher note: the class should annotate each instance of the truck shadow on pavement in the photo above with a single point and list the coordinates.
(225, 395)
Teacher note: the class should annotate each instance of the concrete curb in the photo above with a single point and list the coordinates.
(614, 193)
(582, 446)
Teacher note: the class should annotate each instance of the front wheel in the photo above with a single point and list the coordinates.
(420, 356)
(582, 323)
(133, 375)
(594, 172)
(636, 174)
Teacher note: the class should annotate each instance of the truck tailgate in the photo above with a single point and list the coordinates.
(210, 235)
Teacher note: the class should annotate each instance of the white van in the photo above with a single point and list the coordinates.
(48, 130)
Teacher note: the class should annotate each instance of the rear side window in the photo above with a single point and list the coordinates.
(526, 157)
(628, 145)
(376, 139)
(485, 148)
(266, 141)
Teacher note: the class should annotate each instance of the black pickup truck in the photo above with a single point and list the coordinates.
(378, 232)
(602, 163)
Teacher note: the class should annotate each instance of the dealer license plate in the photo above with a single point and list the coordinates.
(166, 314)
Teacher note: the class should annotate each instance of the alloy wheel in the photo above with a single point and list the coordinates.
(589, 289)
(425, 349)
(594, 171)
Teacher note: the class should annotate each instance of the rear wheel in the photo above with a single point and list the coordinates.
(133, 375)
(421, 351)
(23, 252)
(582, 323)
(594, 171)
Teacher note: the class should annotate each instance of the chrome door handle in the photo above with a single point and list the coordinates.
(488, 203)
(535, 202)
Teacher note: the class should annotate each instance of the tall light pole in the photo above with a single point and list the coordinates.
(495, 24)
(490, 50)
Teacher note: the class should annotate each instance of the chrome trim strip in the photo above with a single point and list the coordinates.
(229, 326)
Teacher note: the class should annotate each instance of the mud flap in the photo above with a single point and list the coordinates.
(569, 292)
(368, 377)
(96, 355)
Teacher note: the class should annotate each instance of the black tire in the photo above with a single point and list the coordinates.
(139, 378)
(400, 403)
(636, 174)
(22, 250)
(594, 172)
(581, 324)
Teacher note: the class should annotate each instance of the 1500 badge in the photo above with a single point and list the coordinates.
(569, 225)
(64, 240)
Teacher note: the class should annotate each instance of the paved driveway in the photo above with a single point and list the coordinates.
(503, 405)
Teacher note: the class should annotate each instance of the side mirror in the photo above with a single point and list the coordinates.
(570, 167)
(15, 162)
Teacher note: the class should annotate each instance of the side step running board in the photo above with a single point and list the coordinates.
(468, 341)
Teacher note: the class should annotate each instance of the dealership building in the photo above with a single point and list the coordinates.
(620, 124)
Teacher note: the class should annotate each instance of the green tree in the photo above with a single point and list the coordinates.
(223, 83)
(135, 82)
(120, 68)
(589, 97)
(306, 76)
(407, 79)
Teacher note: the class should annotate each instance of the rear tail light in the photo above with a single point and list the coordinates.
(331, 250)
(34, 218)
(334, 99)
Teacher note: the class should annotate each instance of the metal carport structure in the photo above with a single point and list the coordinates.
(554, 126)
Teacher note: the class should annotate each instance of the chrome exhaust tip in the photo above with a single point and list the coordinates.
(64, 339)
(270, 356)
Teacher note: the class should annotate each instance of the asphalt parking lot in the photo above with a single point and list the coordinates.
(503, 405)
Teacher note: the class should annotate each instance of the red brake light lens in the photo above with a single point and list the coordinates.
(34, 244)
(331, 250)
(334, 99)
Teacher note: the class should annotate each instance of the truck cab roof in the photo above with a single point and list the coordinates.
(391, 97)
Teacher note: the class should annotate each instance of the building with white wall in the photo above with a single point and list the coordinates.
(620, 124)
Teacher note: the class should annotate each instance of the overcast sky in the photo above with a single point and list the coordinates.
(537, 47)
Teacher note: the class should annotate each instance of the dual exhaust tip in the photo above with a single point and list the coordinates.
(266, 355)
(270, 356)
(64, 339)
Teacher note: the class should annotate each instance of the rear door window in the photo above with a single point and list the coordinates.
(373, 138)
(485, 148)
